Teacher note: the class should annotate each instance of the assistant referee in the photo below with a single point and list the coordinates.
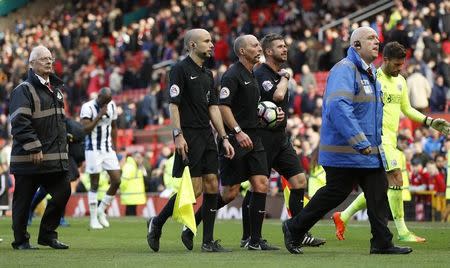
(193, 103)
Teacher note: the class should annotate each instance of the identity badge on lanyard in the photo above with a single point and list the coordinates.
(367, 87)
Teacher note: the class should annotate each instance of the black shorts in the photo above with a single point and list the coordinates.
(281, 156)
(241, 168)
(202, 154)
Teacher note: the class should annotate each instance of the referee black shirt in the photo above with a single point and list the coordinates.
(191, 87)
(240, 91)
(268, 80)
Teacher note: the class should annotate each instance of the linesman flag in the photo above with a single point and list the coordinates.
(287, 194)
(183, 211)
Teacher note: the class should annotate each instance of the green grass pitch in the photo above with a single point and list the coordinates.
(125, 245)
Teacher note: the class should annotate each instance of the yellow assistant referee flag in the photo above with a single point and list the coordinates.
(183, 210)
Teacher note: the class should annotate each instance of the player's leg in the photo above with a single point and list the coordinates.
(112, 166)
(230, 180)
(92, 200)
(246, 192)
(257, 211)
(155, 224)
(341, 218)
(297, 193)
(114, 176)
(229, 193)
(93, 168)
(209, 210)
(395, 199)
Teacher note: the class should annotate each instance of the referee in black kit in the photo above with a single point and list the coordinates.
(239, 97)
(273, 85)
(193, 103)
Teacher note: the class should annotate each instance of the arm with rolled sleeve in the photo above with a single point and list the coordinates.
(21, 120)
(339, 106)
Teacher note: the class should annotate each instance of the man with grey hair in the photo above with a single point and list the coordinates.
(39, 155)
(352, 154)
(239, 98)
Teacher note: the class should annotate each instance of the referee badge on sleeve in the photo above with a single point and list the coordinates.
(174, 91)
(224, 93)
(267, 85)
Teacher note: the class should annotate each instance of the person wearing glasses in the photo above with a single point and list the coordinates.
(39, 155)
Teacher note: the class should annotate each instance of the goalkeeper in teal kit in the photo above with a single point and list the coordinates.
(395, 100)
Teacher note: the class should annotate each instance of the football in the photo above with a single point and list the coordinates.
(267, 113)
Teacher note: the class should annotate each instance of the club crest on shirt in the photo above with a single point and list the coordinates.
(174, 91)
(224, 93)
(267, 85)
(393, 163)
(59, 95)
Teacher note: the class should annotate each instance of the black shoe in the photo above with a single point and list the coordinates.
(290, 243)
(311, 241)
(391, 250)
(153, 235)
(53, 243)
(261, 245)
(24, 246)
(187, 237)
(244, 242)
(214, 246)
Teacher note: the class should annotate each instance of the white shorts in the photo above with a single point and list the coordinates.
(97, 161)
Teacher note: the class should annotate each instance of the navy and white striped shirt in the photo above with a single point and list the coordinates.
(100, 137)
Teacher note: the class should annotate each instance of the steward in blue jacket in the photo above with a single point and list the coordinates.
(350, 148)
(352, 115)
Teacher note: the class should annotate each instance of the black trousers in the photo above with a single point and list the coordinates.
(57, 185)
(340, 182)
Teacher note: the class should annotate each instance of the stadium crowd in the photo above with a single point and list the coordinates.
(95, 46)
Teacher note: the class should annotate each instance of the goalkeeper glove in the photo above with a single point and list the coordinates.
(439, 124)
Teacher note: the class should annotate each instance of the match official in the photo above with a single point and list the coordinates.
(193, 103)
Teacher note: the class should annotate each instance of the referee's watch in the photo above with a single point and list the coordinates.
(225, 137)
(176, 132)
(237, 130)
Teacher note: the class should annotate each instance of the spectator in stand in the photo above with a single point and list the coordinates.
(307, 78)
(443, 68)
(433, 47)
(115, 81)
(438, 98)
(425, 70)
(147, 110)
(309, 100)
(433, 143)
(441, 164)
(296, 101)
(419, 89)
(419, 154)
(300, 57)
(417, 181)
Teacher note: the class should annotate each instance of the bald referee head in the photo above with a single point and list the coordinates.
(198, 43)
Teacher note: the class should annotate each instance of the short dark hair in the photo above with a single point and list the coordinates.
(267, 40)
(394, 50)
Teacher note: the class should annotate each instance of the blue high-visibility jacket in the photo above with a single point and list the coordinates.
(351, 116)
